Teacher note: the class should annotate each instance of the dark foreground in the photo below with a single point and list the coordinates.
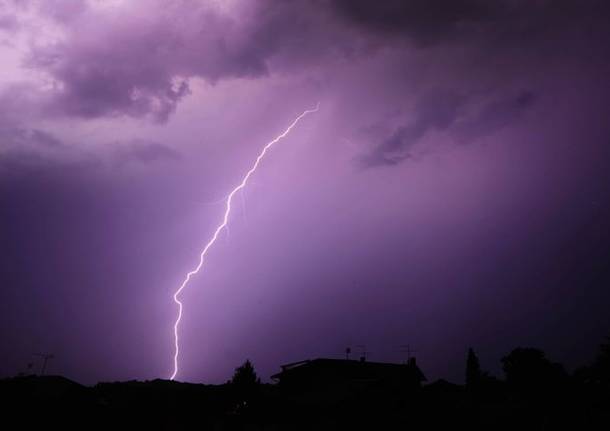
(52, 402)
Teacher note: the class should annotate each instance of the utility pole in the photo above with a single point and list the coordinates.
(45, 358)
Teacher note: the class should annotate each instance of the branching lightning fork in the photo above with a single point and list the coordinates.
(220, 227)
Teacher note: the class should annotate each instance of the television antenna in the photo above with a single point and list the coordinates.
(45, 358)
(406, 348)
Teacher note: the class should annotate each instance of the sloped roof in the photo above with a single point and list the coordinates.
(350, 369)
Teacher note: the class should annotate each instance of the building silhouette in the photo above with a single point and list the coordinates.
(323, 372)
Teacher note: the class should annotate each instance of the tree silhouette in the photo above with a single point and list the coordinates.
(600, 370)
(245, 384)
(245, 376)
(473, 369)
(528, 370)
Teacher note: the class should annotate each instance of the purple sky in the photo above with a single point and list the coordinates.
(452, 191)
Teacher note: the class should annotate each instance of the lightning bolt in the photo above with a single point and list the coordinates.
(220, 227)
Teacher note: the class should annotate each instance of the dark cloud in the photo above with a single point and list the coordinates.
(494, 116)
(99, 82)
(12, 136)
(446, 112)
(144, 151)
(141, 67)
(26, 150)
(474, 22)
(424, 21)
(436, 110)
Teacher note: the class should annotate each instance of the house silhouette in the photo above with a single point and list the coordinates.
(323, 372)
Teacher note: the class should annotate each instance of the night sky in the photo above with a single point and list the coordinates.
(453, 190)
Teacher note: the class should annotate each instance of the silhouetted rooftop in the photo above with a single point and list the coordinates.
(338, 370)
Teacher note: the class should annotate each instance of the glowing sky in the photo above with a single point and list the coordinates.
(452, 191)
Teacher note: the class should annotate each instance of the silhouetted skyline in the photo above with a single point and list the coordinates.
(325, 393)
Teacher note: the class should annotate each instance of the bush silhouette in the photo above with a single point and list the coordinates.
(528, 370)
(599, 371)
(601, 366)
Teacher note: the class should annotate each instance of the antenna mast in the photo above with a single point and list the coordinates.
(45, 358)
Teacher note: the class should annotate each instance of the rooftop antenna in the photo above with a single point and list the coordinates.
(45, 358)
(406, 348)
(364, 352)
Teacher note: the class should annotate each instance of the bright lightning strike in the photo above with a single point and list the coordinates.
(220, 227)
